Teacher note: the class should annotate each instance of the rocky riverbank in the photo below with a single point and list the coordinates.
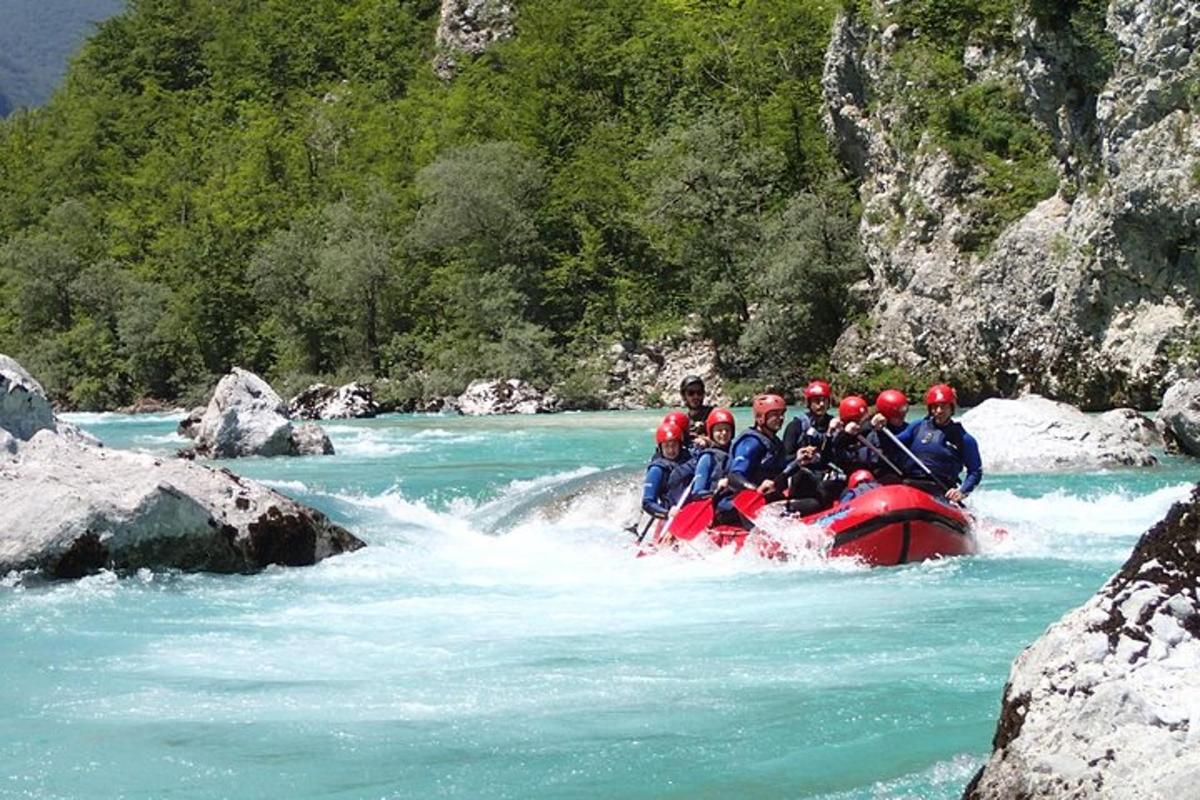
(73, 507)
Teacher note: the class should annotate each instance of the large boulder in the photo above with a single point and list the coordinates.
(245, 417)
(72, 507)
(322, 401)
(1135, 424)
(1033, 434)
(24, 407)
(1180, 415)
(1102, 704)
(510, 396)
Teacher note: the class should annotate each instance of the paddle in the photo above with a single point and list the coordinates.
(645, 528)
(879, 453)
(749, 502)
(920, 463)
(690, 520)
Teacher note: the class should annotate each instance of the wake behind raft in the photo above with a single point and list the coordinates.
(885, 526)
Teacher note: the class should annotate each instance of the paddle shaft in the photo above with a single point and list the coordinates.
(913, 456)
(879, 453)
(645, 528)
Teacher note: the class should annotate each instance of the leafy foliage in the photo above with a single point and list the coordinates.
(289, 187)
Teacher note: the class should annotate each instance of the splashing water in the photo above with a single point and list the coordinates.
(499, 638)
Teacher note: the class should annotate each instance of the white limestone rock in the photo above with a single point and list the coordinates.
(72, 509)
(467, 28)
(650, 373)
(1033, 434)
(1180, 415)
(245, 417)
(510, 396)
(1086, 293)
(24, 407)
(1105, 704)
(322, 401)
(1135, 424)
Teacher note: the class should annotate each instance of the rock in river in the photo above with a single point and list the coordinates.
(72, 508)
(1033, 434)
(245, 417)
(1102, 704)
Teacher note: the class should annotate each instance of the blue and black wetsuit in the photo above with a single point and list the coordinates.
(947, 451)
(848, 453)
(666, 481)
(862, 488)
(754, 457)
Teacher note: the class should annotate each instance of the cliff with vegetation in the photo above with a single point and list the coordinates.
(1029, 175)
(433, 191)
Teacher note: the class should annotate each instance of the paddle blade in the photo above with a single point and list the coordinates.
(749, 502)
(691, 520)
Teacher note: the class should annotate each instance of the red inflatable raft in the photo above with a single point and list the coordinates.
(884, 526)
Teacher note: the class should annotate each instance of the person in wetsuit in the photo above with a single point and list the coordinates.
(756, 459)
(944, 446)
(669, 473)
(692, 390)
(712, 466)
(891, 408)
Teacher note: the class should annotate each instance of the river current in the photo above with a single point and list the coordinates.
(498, 638)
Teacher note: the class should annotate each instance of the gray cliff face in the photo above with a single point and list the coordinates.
(1086, 295)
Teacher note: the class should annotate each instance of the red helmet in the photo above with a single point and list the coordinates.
(859, 476)
(766, 403)
(817, 389)
(852, 408)
(719, 416)
(941, 393)
(679, 419)
(668, 433)
(890, 402)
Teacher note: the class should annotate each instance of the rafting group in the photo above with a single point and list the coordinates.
(874, 472)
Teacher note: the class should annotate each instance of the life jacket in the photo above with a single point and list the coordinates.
(770, 464)
(813, 433)
(720, 457)
(679, 475)
(940, 448)
(850, 454)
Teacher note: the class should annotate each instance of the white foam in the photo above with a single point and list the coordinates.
(1092, 527)
(87, 418)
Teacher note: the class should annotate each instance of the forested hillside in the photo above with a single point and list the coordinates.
(289, 187)
(36, 40)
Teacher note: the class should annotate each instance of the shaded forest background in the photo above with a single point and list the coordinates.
(288, 187)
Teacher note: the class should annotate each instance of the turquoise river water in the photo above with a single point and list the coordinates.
(498, 639)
